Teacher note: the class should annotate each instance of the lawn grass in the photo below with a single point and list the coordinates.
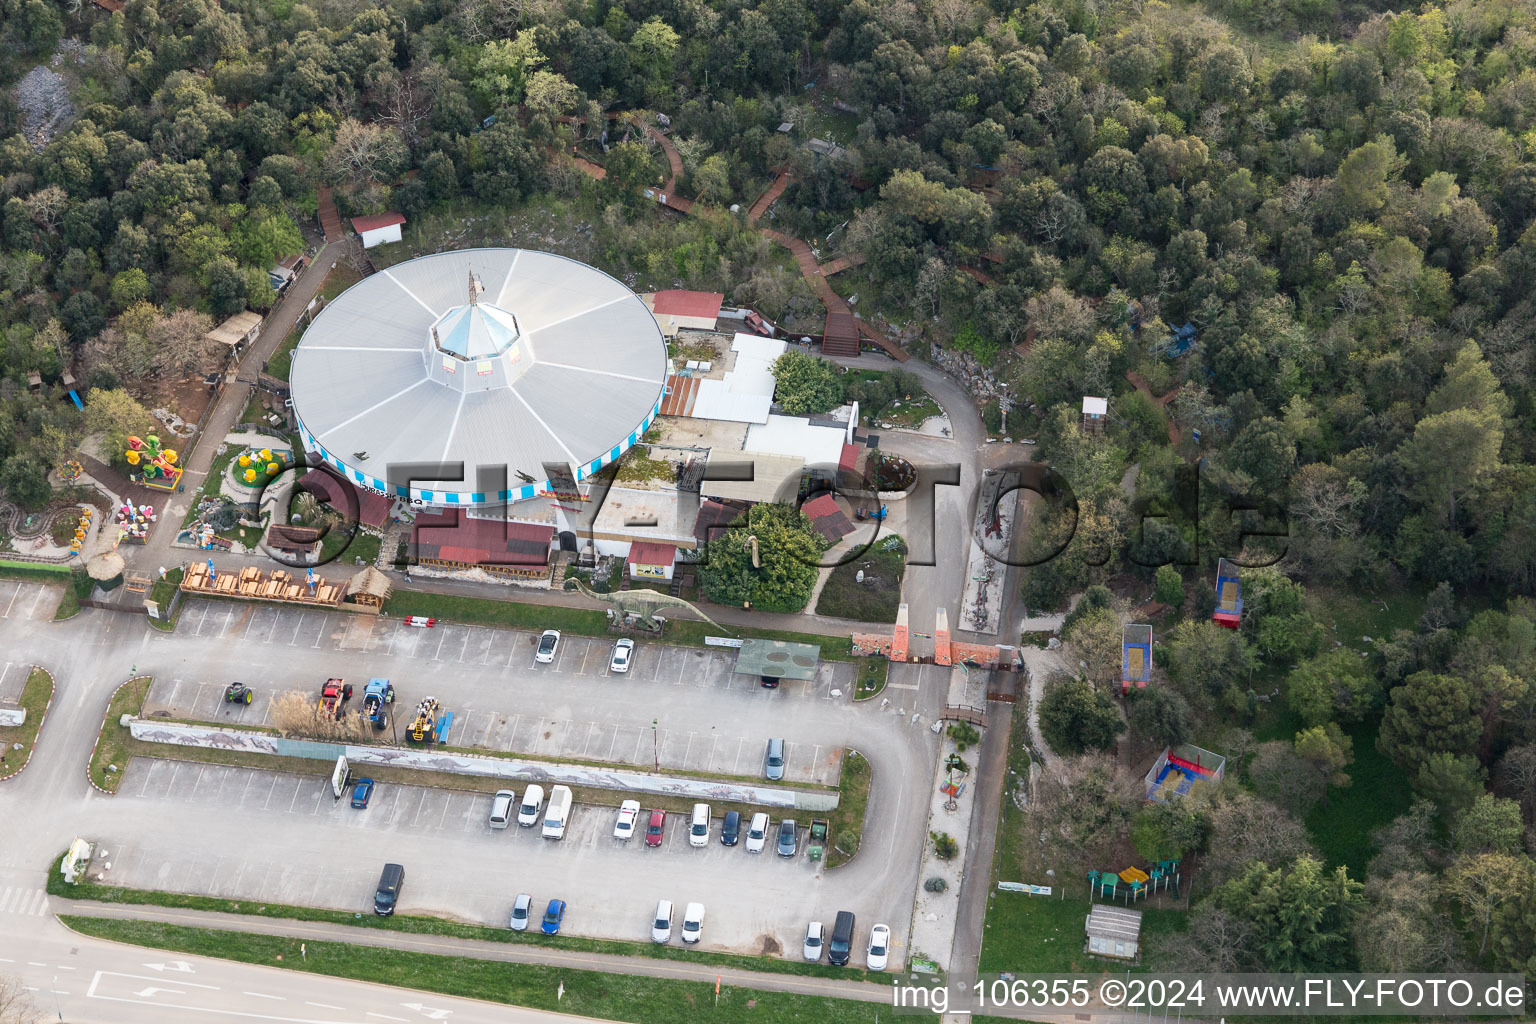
(69, 605)
(35, 697)
(844, 597)
(424, 924)
(1377, 793)
(163, 592)
(1030, 934)
(34, 571)
(872, 677)
(339, 279)
(112, 742)
(579, 621)
(592, 994)
(845, 828)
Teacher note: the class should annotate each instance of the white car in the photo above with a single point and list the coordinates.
(548, 642)
(522, 907)
(879, 947)
(693, 922)
(698, 829)
(812, 951)
(661, 924)
(528, 810)
(757, 833)
(623, 653)
(629, 813)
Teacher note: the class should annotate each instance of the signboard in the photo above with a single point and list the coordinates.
(339, 776)
(654, 572)
(721, 641)
(153, 607)
(1035, 890)
(448, 365)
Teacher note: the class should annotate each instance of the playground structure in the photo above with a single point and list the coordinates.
(256, 466)
(430, 724)
(1133, 883)
(1229, 595)
(157, 465)
(133, 522)
(82, 529)
(1135, 656)
(1179, 769)
(70, 472)
(252, 584)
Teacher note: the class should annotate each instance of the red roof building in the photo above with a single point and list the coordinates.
(374, 221)
(452, 540)
(826, 518)
(651, 560)
(676, 308)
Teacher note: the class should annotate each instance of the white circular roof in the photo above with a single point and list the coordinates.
(484, 358)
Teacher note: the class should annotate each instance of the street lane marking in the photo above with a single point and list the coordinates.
(263, 995)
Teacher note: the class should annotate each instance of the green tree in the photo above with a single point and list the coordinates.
(629, 170)
(1168, 830)
(1490, 825)
(1337, 685)
(652, 49)
(1168, 587)
(503, 67)
(128, 287)
(1328, 751)
(1203, 655)
(262, 239)
(1363, 175)
(785, 552)
(804, 383)
(1430, 713)
(1075, 717)
(1482, 884)
(24, 481)
(1161, 715)
(1451, 453)
(712, 181)
(1512, 924)
(1452, 781)
(1301, 914)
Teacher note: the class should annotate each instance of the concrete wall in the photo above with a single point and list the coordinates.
(426, 759)
(12, 716)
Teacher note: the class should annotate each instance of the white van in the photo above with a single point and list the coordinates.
(528, 811)
(558, 812)
(501, 808)
(698, 830)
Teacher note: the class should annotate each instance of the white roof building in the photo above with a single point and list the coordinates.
(797, 436)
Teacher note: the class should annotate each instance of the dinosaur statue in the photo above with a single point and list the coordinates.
(642, 604)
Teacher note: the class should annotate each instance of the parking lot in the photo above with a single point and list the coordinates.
(293, 842)
(23, 601)
(500, 698)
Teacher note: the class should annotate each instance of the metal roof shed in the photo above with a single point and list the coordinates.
(778, 659)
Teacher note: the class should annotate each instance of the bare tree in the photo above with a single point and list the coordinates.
(16, 1006)
(404, 104)
(1516, 776)
(1083, 809)
(1245, 829)
(1217, 943)
(44, 206)
(1321, 497)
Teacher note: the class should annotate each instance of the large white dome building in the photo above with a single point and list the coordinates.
(489, 359)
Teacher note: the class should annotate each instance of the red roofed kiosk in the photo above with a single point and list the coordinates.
(649, 560)
(378, 228)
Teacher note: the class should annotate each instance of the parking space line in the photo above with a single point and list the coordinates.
(466, 712)
(612, 743)
(681, 671)
(296, 627)
(319, 799)
(688, 751)
(441, 637)
(267, 803)
(588, 744)
(465, 649)
(276, 618)
(639, 735)
(297, 789)
(736, 761)
(712, 741)
(12, 600)
(320, 635)
(32, 612)
(255, 614)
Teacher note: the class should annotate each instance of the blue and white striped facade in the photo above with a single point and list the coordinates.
(466, 499)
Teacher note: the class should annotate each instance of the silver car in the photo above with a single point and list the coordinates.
(623, 653)
(522, 907)
(812, 950)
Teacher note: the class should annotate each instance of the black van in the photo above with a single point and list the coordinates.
(390, 880)
(841, 946)
(730, 829)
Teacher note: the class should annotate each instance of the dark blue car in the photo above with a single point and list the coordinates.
(362, 792)
(553, 915)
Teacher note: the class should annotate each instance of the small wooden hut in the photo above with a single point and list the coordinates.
(369, 588)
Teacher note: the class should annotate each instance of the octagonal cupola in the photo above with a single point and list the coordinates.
(477, 346)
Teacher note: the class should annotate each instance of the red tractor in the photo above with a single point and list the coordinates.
(334, 696)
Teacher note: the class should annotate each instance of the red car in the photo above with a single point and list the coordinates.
(655, 827)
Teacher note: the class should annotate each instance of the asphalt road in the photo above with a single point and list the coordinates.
(90, 981)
